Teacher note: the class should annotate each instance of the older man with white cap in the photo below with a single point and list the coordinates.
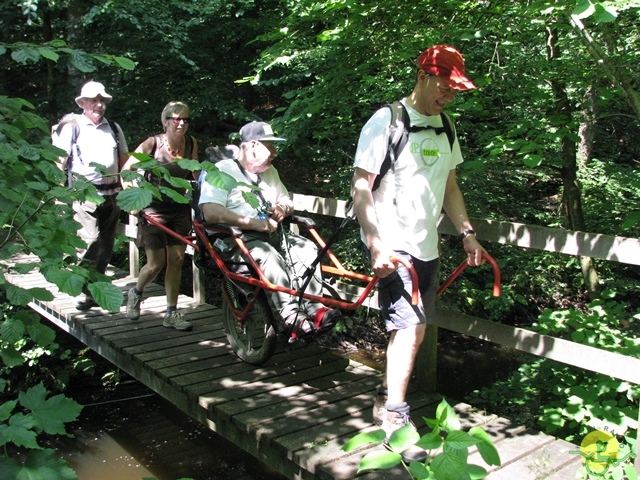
(91, 138)
(283, 260)
(399, 218)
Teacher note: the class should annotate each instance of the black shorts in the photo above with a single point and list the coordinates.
(152, 237)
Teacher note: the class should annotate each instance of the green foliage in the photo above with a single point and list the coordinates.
(446, 445)
(37, 415)
(566, 401)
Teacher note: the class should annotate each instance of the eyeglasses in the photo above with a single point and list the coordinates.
(446, 90)
(177, 120)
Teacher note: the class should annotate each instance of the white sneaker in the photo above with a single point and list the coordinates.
(133, 304)
(176, 321)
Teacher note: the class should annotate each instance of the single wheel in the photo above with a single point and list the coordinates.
(254, 339)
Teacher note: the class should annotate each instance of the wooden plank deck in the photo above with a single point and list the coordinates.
(294, 412)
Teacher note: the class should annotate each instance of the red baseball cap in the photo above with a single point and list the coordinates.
(447, 63)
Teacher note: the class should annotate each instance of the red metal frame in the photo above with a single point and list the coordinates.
(202, 231)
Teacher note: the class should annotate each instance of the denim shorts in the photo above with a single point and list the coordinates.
(394, 294)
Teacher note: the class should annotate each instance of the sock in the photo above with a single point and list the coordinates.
(137, 292)
(398, 407)
(170, 310)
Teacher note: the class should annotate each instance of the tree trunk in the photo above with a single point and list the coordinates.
(572, 196)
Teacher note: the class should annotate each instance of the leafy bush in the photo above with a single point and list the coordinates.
(447, 447)
(569, 402)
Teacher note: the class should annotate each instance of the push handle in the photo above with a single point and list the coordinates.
(415, 293)
(494, 266)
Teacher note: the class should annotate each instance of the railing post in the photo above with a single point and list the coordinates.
(636, 462)
(427, 360)
(134, 252)
(198, 282)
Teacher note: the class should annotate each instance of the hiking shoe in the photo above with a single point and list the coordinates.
(85, 302)
(298, 325)
(133, 304)
(379, 405)
(176, 321)
(392, 421)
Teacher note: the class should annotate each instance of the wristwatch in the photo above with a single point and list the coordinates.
(466, 233)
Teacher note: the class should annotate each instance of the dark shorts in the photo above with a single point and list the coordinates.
(152, 237)
(394, 294)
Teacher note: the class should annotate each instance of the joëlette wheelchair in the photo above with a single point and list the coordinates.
(251, 327)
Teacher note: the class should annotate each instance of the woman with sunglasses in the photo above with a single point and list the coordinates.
(163, 250)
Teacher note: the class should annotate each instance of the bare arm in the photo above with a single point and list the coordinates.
(145, 147)
(454, 207)
(363, 204)
(216, 213)
(194, 156)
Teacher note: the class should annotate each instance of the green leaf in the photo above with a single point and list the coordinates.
(6, 408)
(134, 199)
(447, 417)
(66, 281)
(20, 296)
(450, 465)
(605, 14)
(12, 330)
(220, 179)
(476, 472)
(485, 445)
(630, 472)
(48, 53)
(532, 160)
(50, 414)
(81, 61)
(421, 471)
(107, 295)
(365, 438)
(11, 357)
(188, 164)
(125, 63)
(25, 53)
(19, 431)
(39, 465)
(403, 438)
(379, 460)
(430, 441)
(41, 334)
(173, 195)
(459, 440)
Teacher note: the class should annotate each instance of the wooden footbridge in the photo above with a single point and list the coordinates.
(296, 411)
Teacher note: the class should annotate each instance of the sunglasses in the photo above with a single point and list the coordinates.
(177, 120)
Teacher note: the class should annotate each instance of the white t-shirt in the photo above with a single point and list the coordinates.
(272, 189)
(95, 144)
(409, 200)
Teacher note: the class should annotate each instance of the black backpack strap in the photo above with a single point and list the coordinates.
(74, 145)
(116, 136)
(398, 137)
(448, 129)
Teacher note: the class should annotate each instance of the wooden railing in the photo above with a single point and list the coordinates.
(605, 247)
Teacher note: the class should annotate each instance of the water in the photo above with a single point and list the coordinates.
(139, 435)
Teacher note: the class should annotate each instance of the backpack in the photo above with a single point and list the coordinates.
(399, 135)
(72, 119)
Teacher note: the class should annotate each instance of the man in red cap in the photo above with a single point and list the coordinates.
(399, 218)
